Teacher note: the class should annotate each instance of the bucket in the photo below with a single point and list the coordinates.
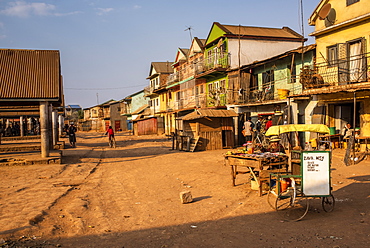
(331, 130)
(284, 184)
(283, 93)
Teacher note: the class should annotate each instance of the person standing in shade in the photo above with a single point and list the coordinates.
(248, 129)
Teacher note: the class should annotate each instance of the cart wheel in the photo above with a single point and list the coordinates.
(328, 203)
(292, 208)
(283, 200)
(271, 198)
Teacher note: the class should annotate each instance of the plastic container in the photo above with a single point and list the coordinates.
(254, 184)
(331, 130)
(284, 184)
(283, 93)
(250, 149)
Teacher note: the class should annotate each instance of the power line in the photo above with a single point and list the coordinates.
(116, 88)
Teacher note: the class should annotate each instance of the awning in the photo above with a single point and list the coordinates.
(316, 128)
(202, 113)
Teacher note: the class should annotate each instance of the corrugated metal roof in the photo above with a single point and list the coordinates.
(201, 113)
(284, 32)
(30, 74)
(163, 67)
(139, 110)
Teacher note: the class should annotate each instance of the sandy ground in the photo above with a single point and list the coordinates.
(129, 197)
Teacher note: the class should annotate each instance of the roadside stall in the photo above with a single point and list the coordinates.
(259, 164)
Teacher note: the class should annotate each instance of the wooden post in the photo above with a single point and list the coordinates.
(21, 125)
(54, 118)
(45, 135)
(61, 124)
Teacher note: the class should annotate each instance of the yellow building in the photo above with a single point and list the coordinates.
(339, 82)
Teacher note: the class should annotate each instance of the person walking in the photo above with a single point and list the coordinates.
(71, 131)
(248, 129)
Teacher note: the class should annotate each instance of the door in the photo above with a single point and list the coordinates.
(117, 125)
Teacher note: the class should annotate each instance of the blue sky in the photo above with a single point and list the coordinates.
(107, 46)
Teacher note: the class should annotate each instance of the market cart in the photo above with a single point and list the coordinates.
(289, 194)
(259, 165)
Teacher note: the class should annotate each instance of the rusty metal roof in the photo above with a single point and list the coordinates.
(163, 67)
(201, 113)
(30, 75)
(284, 32)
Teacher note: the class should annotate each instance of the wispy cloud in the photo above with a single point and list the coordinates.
(68, 13)
(24, 9)
(137, 7)
(103, 11)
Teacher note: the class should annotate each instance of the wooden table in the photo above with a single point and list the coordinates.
(334, 138)
(259, 167)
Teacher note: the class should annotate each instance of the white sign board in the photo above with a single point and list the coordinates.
(316, 173)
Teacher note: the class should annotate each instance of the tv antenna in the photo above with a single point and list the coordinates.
(189, 28)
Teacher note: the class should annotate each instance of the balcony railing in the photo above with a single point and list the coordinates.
(185, 73)
(342, 72)
(215, 61)
(198, 101)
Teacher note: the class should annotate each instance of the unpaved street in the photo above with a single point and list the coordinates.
(129, 197)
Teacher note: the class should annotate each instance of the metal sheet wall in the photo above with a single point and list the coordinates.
(147, 127)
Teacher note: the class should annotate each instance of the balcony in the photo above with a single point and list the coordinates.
(198, 101)
(173, 78)
(182, 74)
(343, 74)
(218, 62)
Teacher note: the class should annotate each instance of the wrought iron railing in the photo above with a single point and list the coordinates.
(352, 70)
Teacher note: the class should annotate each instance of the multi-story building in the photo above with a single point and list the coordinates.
(185, 92)
(338, 84)
(229, 47)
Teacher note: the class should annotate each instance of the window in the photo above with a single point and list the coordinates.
(210, 87)
(216, 85)
(268, 77)
(209, 56)
(201, 90)
(292, 75)
(349, 2)
(222, 86)
(332, 55)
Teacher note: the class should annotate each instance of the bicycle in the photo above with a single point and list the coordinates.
(112, 142)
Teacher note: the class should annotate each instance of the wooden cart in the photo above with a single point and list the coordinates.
(260, 167)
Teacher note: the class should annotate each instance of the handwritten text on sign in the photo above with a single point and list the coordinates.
(316, 173)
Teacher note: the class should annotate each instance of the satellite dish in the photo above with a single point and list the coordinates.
(330, 18)
(323, 13)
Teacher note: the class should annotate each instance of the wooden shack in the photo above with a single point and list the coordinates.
(214, 127)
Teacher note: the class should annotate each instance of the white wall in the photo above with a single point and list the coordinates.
(256, 50)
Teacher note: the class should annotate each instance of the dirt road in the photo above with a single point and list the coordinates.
(129, 197)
